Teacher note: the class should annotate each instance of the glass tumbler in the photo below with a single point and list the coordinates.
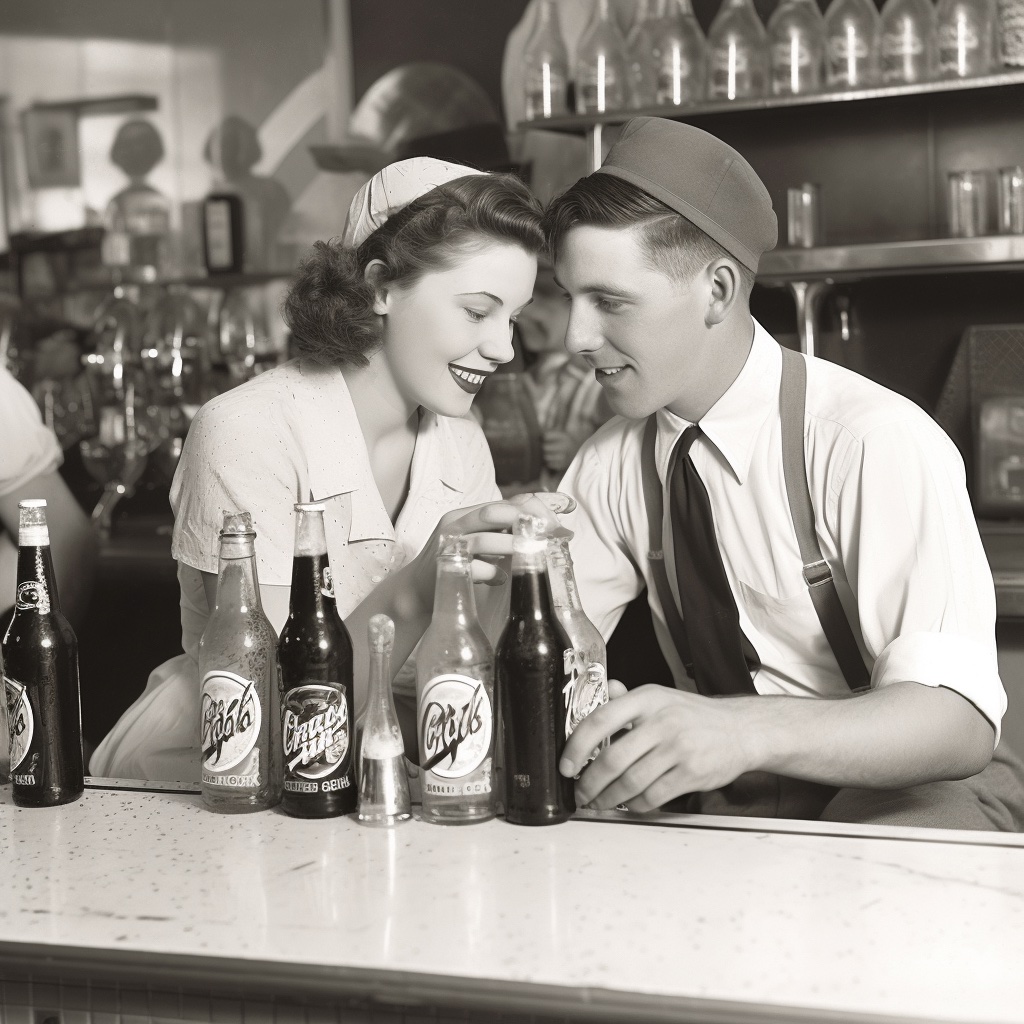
(1011, 201)
(967, 204)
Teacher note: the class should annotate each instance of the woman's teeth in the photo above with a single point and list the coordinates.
(469, 380)
(472, 378)
(607, 371)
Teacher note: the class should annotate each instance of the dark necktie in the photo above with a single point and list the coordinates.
(721, 658)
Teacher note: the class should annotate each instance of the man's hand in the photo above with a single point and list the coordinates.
(677, 743)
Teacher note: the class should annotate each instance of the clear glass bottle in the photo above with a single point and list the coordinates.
(383, 782)
(455, 698)
(737, 53)
(546, 66)
(641, 52)
(40, 676)
(796, 32)
(965, 38)
(681, 54)
(240, 728)
(601, 70)
(586, 687)
(906, 47)
(851, 44)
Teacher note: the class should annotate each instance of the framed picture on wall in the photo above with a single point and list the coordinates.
(51, 148)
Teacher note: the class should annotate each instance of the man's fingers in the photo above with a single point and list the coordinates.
(493, 545)
(616, 689)
(613, 762)
(628, 786)
(599, 725)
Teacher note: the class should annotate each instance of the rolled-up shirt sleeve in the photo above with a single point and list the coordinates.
(28, 448)
(914, 558)
(606, 575)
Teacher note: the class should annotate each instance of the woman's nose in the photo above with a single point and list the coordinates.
(498, 347)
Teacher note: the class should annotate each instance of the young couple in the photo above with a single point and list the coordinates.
(687, 491)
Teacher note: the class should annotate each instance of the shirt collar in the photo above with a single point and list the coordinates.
(733, 423)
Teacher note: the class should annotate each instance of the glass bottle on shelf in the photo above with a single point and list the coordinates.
(737, 53)
(906, 48)
(601, 72)
(965, 33)
(546, 66)
(796, 32)
(851, 44)
(641, 49)
(1011, 32)
(681, 54)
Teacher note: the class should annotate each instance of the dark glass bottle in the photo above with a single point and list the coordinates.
(223, 230)
(40, 658)
(533, 656)
(317, 709)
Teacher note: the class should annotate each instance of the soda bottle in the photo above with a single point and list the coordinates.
(602, 66)
(546, 66)
(317, 702)
(642, 52)
(586, 663)
(737, 53)
(532, 655)
(966, 37)
(239, 728)
(383, 782)
(40, 673)
(455, 698)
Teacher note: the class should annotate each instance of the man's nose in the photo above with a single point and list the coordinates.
(581, 337)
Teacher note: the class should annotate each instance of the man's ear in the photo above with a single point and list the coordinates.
(375, 276)
(724, 279)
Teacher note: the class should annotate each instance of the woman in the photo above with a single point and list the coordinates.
(396, 328)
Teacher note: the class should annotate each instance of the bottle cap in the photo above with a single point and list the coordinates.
(237, 523)
(32, 530)
(453, 545)
(382, 634)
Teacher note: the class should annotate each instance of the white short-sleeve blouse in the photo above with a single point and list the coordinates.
(289, 435)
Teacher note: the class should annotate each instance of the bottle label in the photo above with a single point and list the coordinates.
(247, 778)
(585, 690)
(326, 582)
(316, 735)
(842, 47)
(901, 44)
(231, 718)
(455, 726)
(785, 55)
(20, 723)
(32, 596)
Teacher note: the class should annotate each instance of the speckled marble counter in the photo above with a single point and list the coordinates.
(679, 919)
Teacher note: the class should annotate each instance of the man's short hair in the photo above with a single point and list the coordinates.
(671, 244)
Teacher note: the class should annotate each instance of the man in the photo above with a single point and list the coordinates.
(657, 252)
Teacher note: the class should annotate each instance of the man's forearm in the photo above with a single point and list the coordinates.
(895, 736)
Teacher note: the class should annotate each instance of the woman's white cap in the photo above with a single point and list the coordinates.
(391, 189)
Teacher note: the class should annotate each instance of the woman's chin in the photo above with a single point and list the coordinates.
(454, 405)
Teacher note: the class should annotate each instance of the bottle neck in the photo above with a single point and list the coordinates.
(37, 584)
(311, 587)
(453, 591)
(238, 588)
(530, 597)
(563, 579)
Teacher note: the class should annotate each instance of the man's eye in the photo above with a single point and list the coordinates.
(476, 315)
(608, 305)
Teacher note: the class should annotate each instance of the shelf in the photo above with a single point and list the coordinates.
(128, 103)
(581, 123)
(881, 259)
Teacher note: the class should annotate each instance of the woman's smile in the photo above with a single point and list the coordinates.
(467, 378)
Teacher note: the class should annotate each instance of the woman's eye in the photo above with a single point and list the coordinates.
(476, 315)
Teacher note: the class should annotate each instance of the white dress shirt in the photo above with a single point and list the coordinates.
(893, 519)
(290, 435)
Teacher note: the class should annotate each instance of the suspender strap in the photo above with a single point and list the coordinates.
(655, 552)
(817, 573)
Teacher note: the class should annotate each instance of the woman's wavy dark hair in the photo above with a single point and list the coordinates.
(329, 308)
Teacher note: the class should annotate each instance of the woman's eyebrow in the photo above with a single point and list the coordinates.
(494, 298)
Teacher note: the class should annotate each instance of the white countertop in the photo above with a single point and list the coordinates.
(692, 910)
